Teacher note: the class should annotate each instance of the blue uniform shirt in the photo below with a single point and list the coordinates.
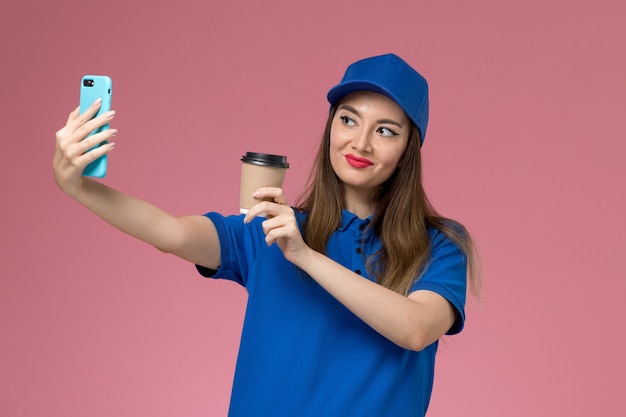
(304, 354)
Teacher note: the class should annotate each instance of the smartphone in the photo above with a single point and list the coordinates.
(93, 87)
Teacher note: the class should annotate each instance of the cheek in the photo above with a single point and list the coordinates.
(332, 140)
(391, 164)
(392, 156)
(334, 150)
(336, 145)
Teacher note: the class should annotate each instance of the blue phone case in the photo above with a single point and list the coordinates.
(93, 87)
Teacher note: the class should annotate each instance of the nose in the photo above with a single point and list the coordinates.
(361, 141)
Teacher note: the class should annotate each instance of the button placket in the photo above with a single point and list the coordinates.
(358, 252)
(357, 259)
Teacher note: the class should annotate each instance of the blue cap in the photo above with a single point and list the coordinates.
(391, 76)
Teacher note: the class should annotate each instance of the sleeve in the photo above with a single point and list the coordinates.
(239, 246)
(446, 274)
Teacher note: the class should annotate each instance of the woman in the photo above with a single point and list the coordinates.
(350, 291)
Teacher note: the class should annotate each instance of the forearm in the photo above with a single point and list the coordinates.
(130, 215)
(408, 323)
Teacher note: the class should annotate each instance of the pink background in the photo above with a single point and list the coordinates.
(525, 146)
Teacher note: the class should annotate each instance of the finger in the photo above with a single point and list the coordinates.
(274, 229)
(85, 129)
(279, 227)
(87, 114)
(258, 210)
(95, 153)
(94, 140)
(266, 209)
(274, 193)
(62, 133)
(73, 115)
(271, 224)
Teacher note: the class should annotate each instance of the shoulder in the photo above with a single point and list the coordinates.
(443, 245)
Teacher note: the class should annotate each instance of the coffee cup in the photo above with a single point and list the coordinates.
(259, 170)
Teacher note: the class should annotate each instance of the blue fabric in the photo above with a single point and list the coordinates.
(303, 353)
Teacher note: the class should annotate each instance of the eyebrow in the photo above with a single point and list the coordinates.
(379, 121)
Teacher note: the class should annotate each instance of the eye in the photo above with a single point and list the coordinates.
(385, 131)
(347, 121)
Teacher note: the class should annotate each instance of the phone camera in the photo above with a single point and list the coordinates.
(88, 83)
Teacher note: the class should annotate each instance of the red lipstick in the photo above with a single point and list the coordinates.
(358, 162)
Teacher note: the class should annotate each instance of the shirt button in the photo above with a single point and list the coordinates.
(361, 227)
(358, 250)
(358, 271)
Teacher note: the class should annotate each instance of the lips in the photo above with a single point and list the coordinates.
(358, 162)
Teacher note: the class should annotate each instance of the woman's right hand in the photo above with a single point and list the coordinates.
(71, 156)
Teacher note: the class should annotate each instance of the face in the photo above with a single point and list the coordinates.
(368, 135)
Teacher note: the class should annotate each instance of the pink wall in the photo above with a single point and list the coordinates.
(525, 146)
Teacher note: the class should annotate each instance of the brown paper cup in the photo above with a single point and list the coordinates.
(259, 170)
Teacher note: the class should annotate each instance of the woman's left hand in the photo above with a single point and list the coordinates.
(281, 226)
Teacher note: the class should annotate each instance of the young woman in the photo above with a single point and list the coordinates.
(351, 289)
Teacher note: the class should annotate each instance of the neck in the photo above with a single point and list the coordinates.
(361, 205)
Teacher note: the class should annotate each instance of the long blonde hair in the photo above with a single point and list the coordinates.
(402, 218)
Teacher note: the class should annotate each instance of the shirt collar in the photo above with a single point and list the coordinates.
(349, 220)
